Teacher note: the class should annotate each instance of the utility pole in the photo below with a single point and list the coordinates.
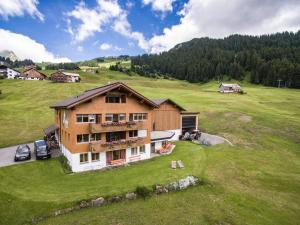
(279, 83)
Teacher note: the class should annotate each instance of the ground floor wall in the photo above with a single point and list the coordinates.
(76, 166)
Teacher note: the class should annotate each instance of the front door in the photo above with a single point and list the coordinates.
(153, 147)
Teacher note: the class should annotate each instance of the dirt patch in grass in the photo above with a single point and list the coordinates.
(245, 119)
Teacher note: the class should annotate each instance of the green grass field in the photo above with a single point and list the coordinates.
(257, 181)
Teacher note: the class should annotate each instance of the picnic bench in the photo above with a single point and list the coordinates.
(180, 164)
(173, 165)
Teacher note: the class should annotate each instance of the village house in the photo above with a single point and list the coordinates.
(229, 88)
(8, 73)
(114, 125)
(31, 73)
(65, 77)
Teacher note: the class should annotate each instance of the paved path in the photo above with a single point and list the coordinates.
(7, 155)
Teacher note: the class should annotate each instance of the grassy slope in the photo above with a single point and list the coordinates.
(255, 182)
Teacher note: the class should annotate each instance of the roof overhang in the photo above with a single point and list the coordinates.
(161, 135)
(172, 102)
(117, 85)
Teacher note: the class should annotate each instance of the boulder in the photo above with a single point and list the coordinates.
(130, 196)
(183, 183)
(84, 204)
(98, 202)
(186, 136)
(160, 189)
(116, 199)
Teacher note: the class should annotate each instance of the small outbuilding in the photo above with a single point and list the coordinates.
(65, 77)
(229, 88)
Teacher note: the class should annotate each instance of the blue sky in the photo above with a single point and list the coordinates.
(73, 30)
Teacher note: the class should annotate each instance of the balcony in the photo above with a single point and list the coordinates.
(116, 126)
(116, 145)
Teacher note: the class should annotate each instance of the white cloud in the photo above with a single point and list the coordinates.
(79, 48)
(105, 46)
(160, 5)
(220, 18)
(92, 20)
(27, 48)
(19, 8)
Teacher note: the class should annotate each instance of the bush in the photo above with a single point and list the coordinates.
(143, 191)
(65, 164)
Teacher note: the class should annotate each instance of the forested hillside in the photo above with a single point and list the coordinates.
(266, 58)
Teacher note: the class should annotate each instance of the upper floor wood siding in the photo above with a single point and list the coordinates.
(166, 117)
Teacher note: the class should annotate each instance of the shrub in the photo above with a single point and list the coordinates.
(143, 191)
(64, 164)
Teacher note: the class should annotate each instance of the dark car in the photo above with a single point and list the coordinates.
(23, 153)
(41, 150)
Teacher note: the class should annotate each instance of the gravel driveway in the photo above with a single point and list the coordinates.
(7, 155)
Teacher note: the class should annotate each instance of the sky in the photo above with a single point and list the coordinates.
(76, 30)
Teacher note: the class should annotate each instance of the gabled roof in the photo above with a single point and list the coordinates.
(71, 74)
(32, 71)
(229, 85)
(163, 100)
(89, 94)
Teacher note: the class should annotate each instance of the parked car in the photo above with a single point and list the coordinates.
(23, 153)
(42, 151)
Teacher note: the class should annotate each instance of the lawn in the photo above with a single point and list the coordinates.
(257, 181)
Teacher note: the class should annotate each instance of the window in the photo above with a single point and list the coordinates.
(142, 149)
(95, 156)
(115, 99)
(133, 133)
(115, 117)
(68, 137)
(85, 118)
(137, 116)
(122, 117)
(84, 158)
(95, 137)
(134, 151)
(82, 138)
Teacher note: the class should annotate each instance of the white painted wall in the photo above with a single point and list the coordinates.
(143, 156)
(142, 133)
(76, 166)
(11, 74)
(177, 132)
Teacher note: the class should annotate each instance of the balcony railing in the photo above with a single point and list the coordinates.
(116, 126)
(116, 145)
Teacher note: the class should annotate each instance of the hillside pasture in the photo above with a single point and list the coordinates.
(257, 181)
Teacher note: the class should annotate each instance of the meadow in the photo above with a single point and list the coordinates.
(257, 181)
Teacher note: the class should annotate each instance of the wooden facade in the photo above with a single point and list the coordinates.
(166, 117)
(97, 105)
(33, 74)
(60, 77)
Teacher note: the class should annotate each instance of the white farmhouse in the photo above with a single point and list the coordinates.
(8, 73)
(74, 77)
(229, 88)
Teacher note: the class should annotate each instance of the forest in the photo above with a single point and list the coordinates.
(267, 59)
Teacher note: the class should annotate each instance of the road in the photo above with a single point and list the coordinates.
(7, 155)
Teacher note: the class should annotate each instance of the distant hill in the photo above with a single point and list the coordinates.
(9, 54)
(266, 59)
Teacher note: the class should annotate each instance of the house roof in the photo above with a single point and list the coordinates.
(163, 100)
(33, 72)
(229, 85)
(71, 74)
(50, 129)
(89, 94)
(161, 135)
